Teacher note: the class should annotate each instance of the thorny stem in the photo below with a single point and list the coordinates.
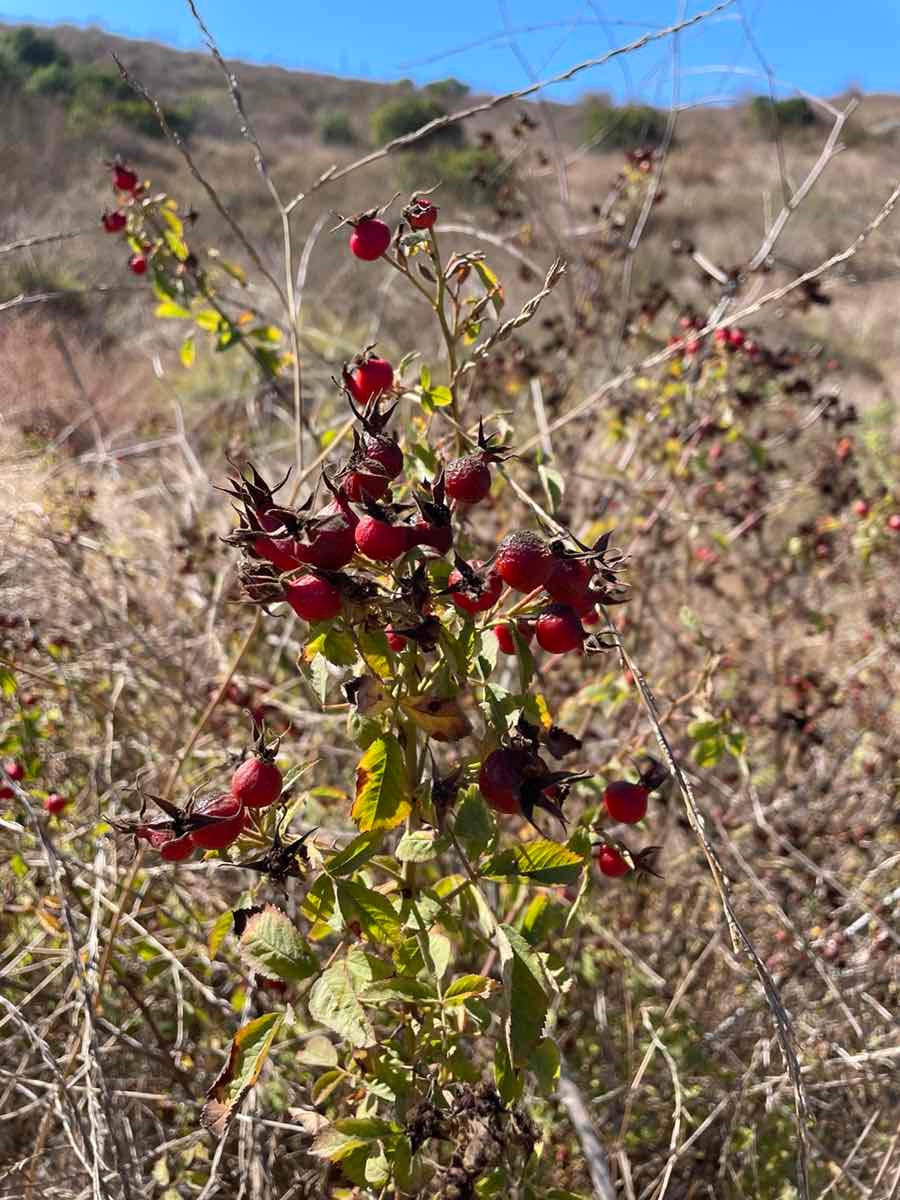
(180, 760)
(449, 339)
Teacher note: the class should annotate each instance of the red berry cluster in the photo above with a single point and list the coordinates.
(128, 189)
(371, 237)
(216, 820)
(728, 340)
(54, 802)
(626, 803)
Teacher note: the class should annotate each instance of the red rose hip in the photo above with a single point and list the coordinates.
(523, 561)
(313, 599)
(559, 629)
(626, 802)
(369, 239)
(257, 782)
(228, 814)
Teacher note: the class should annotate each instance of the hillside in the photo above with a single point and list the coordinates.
(505, 805)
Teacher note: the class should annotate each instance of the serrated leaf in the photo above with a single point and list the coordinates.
(334, 1000)
(382, 789)
(319, 1051)
(334, 1145)
(355, 855)
(368, 909)
(403, 991)
(528, 990)
(249, 1050)
(217, 933)
(273, 946)
(543, 860)
(468, 987)
(418, 846)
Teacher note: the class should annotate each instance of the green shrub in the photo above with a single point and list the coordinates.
(622, 128)
(56, 79)
(470, 173)
(771, 116)
(448, 90)
(32, 50)
(405, 114)
(335, 128)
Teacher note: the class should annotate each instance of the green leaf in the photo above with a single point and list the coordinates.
(424, 378)
(382, 794)
(366, 1127)
(468, 987)
(421, 845)
(318, 903)
(334, 999)
(528, 989)
(7, 682)
(355, 855)
(703, 728)
(218, 931)
(543, 861)
(440, 397)
(473, 824)
(188, 351)
(319, 1051)
(325, 1085)
(273, 946)
(544, 1063)
(334, 1145)
(249, 1051)
(339, 649)
(372, 912)
(510, 1082)
(554, 485)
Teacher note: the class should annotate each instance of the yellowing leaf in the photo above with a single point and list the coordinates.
(218, 931)
(249, 1050)
(443, 720)
(382, 790)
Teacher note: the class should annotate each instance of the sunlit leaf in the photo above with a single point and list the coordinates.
(249, 1050)
(382, 789)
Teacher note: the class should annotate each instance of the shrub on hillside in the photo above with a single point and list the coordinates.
(772, 116)
(93, 96)
(406, 114)
(448, 90)
(621, 128)
(335, 128)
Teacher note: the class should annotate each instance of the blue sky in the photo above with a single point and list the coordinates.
(819, 46)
